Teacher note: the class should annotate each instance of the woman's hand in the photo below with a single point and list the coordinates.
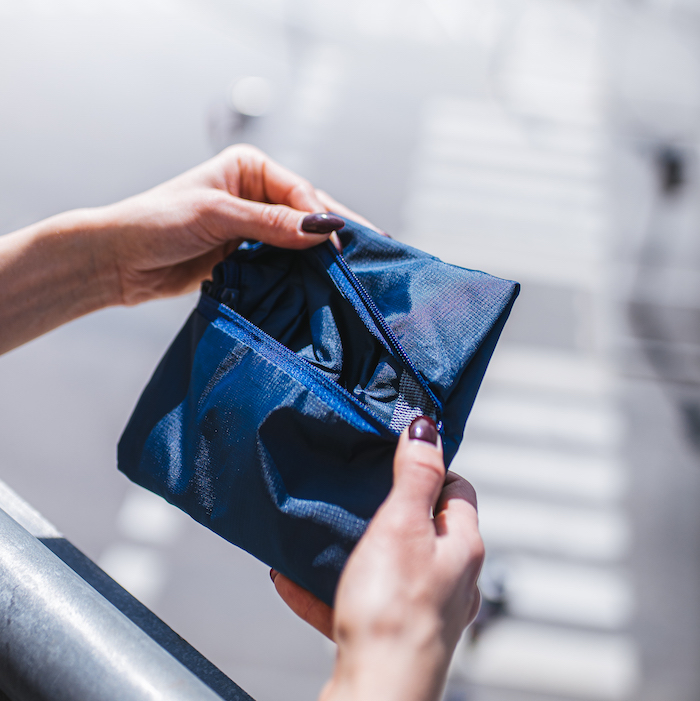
(409, 588)
(167, 240)
(159, 243)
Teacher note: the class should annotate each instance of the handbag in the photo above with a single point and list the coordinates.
(274, 415)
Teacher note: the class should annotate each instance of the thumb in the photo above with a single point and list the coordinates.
(419, 469)
(276, 224)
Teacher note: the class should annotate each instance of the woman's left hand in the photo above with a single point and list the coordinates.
(409, 588)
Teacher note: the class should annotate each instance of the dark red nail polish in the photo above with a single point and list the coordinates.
(322, 223)
(423, 428)
(273, 575)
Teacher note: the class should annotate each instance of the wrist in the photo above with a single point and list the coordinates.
(96, 229)
(79, 246)
(389, 670)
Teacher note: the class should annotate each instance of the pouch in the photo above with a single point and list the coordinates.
(274, 416)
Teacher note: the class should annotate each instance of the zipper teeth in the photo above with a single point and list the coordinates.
(386, 330)
(310, 366)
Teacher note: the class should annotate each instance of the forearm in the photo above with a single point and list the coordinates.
(53, 272)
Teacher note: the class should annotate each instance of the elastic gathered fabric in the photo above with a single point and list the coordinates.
(273, 417)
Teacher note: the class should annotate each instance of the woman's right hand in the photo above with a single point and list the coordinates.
(409, 587)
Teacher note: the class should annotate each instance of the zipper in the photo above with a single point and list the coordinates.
(232, 280)
(386, 330)
(330, 386)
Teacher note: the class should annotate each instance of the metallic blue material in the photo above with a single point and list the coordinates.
(274, 416)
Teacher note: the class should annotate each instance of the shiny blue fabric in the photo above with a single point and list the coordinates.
(274, 416)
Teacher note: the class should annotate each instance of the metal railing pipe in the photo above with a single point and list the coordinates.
(60, 640)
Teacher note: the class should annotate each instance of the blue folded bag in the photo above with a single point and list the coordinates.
(274, 415)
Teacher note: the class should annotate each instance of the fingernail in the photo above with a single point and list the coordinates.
(383, 233)
(321, 223)
(423, 428)
(273, 574)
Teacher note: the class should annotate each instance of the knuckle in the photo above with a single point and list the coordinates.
(474, 544)
(432, 469)
(301, 194)
(241, 152)
(230, 153)
(242, 148)
(468, 556)
(477, 549)
(475, 606)
(274, 216)
(303, 187)
(209, 203)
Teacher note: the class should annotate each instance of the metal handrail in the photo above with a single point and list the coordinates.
(69, 632)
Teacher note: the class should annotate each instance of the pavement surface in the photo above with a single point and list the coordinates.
(555, 143)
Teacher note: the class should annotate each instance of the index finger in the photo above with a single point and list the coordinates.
(456, 509)
(265, 180)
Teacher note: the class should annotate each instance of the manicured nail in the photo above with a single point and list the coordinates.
(273, 574)
(321, 223)
(423, 428)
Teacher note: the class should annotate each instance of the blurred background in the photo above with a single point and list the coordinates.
(554, 142)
